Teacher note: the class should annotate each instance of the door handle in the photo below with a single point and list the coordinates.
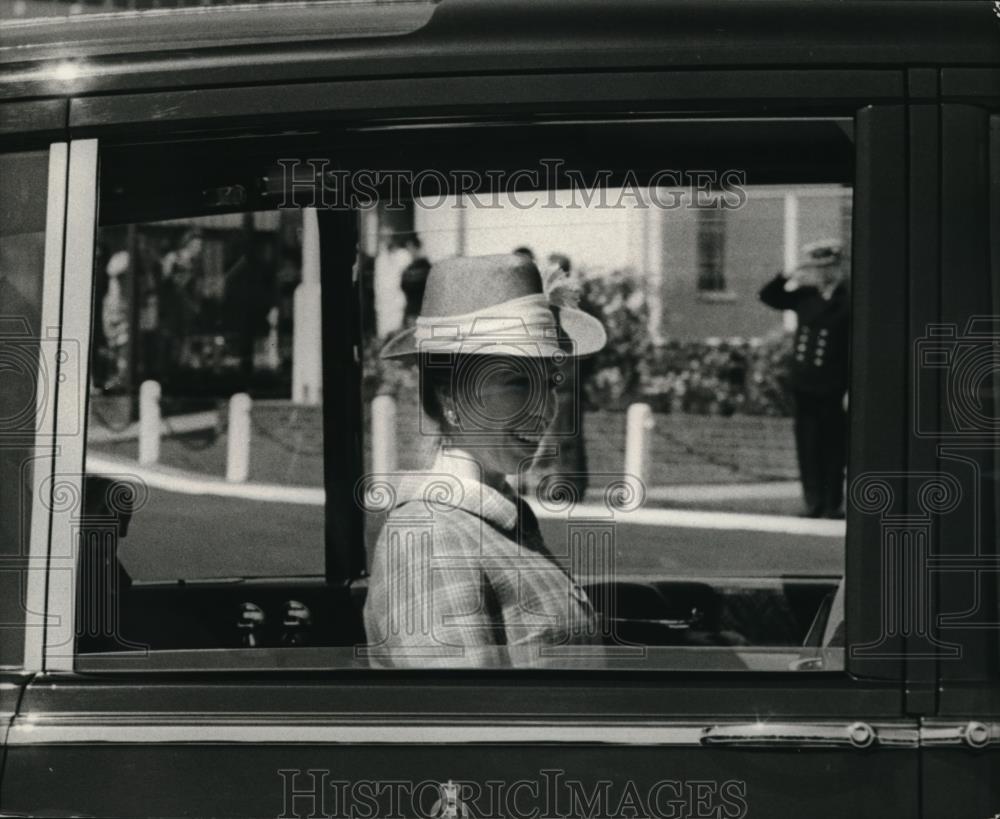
(812, 735)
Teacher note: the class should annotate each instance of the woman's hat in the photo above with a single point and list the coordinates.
(494, 305)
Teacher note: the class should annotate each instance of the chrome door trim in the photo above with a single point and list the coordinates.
(262, 729)
(974, 734)
(38, 538)
(65, 490)
(794, 734)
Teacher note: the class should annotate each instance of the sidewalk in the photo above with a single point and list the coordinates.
(196, 444)
(206, 487)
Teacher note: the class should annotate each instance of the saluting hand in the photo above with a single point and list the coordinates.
(804, 277)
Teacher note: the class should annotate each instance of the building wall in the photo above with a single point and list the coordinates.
(660, 245)
(594, 237)
(754, 252)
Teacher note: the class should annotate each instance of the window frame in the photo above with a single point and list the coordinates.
(68, 465)
(345, 566)
(859, 672)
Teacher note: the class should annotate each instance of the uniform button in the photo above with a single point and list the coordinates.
(818, 362)
(822, 332)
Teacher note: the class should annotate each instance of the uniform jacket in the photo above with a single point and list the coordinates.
(460, 577)
(820, 355)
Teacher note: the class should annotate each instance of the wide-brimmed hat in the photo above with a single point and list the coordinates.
(494, 305)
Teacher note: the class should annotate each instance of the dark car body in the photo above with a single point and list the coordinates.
(909, 728)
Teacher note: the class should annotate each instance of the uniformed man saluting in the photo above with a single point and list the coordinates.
(817, 292)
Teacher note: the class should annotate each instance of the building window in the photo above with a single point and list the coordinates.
(711, 253)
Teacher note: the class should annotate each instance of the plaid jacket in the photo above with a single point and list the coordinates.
(460, 577)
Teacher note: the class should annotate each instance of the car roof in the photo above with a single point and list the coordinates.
(256, 43)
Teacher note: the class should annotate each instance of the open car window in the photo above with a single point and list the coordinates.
(302, 497)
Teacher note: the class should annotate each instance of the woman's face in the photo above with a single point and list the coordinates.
(503, 406)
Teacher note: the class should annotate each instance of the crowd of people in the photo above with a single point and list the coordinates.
(172, 306)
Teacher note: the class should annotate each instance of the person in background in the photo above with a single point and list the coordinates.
(366, 284)
(397, 251)
(147, 292)
(180, 264)
(413, 280)
(566, 439)
(817, 292)
(115, 321)
(179, 304)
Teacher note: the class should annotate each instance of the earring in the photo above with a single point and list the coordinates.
(451, 416)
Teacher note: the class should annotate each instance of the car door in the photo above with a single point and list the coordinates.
(958, 438)
(250, 722)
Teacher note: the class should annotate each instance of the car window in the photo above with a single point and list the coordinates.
(640, 463)
(195, 321)
(693, 475)
(22, 253)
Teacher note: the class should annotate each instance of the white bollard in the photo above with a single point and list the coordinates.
(791, 250)
(238, 443)
(638, 425)
(272, 358)
(149, 422)
(383, 434)
(307, 326)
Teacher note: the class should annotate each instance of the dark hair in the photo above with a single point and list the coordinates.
(525, 251)
(433, 381)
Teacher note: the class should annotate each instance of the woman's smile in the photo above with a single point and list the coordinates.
(530, 439)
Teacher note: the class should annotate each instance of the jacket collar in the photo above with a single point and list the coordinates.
(421, 494)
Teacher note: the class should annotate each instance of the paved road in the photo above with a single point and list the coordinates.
(201, 536)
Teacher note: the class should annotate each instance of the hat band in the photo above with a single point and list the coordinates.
(526, 319)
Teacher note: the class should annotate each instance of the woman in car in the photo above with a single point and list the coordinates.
(460, 574)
